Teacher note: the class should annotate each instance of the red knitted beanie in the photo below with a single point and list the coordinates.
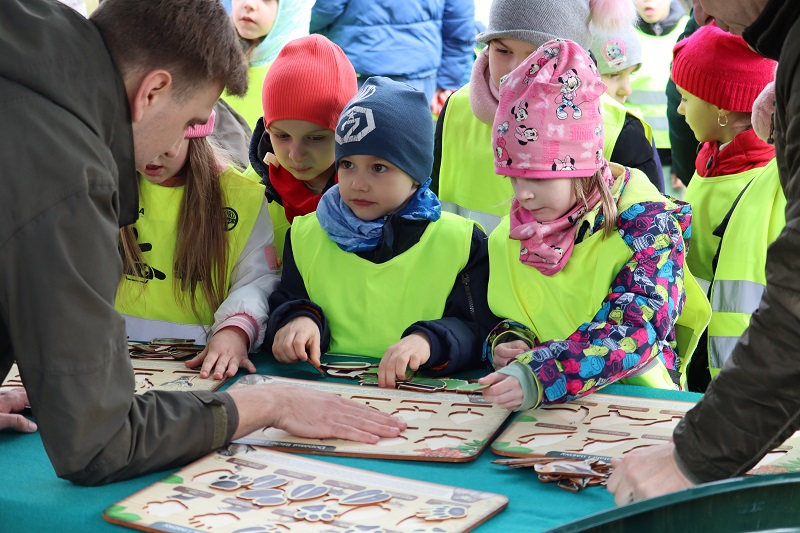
(721, 69)
(311, 79)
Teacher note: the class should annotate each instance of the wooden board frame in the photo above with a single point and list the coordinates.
(240, 490)
(150, 374)
(443, 427)
(606, 426)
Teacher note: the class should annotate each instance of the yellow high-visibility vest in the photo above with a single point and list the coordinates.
(147, 300)
(553, 307)
(740, 278)
(369, 305)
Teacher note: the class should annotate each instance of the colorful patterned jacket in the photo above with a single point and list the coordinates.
(635, 308)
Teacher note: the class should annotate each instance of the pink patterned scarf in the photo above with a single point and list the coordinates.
(484, 97)
(547, 246)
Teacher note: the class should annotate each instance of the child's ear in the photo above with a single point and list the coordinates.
(154, 89)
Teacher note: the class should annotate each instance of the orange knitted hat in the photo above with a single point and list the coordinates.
(311, 79)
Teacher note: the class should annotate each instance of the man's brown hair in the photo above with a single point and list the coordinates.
(194, 40)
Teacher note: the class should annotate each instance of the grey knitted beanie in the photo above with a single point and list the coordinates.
(539, 21)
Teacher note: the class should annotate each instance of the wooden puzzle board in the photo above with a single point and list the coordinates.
(445, 427)
(150, 374)
(604, 426)
(267, 492)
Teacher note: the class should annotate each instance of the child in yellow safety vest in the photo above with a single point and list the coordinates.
(588, 267)
(463, 174)
(719, 77)
(291, 150)
(200, 257)
(659, 25)
(618, 55)
(264, 27)
(378, 270)
(736, 194)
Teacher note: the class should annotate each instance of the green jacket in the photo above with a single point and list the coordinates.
(68, 183)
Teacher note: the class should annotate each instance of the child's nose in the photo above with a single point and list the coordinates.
(624, 89)
(172, 152)
(296, 151)
(358, 184)
(524, 193)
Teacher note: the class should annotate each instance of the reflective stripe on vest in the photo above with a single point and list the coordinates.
(649, 83)
(740, 278)
(368, 306)
(250, 106)
(711, 199)
(614, 115)
(151, 295)
(553, 307)
(468, 184)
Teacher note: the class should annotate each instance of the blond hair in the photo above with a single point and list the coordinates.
(583, 188)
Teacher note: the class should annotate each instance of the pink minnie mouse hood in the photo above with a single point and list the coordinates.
(548, 123)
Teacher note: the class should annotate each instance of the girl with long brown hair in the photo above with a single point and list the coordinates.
(200, 261)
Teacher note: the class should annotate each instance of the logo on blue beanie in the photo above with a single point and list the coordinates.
(358, 123)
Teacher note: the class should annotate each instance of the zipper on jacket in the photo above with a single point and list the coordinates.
(465, 282)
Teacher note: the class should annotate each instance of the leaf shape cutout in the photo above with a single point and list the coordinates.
(264, 497)
(366, 497)
(307, 491)
(268, 482)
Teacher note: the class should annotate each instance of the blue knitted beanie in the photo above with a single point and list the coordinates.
(390, 120)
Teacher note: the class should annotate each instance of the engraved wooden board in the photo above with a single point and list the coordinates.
(605, 426)
(241, 490)
(150, 374)
(444, 427)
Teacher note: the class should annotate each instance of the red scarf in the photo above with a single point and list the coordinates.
(297, 199)
(746, 151)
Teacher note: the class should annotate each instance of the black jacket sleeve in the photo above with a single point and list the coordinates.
(437, 148)
(456, 338)
(290, 300)
(754, 403)
(635, 151)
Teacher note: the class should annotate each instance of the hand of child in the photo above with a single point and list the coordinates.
(298, 340)
(224, 354)
(12, 402)
(503, 390)
(506, 352)
(412, 351)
